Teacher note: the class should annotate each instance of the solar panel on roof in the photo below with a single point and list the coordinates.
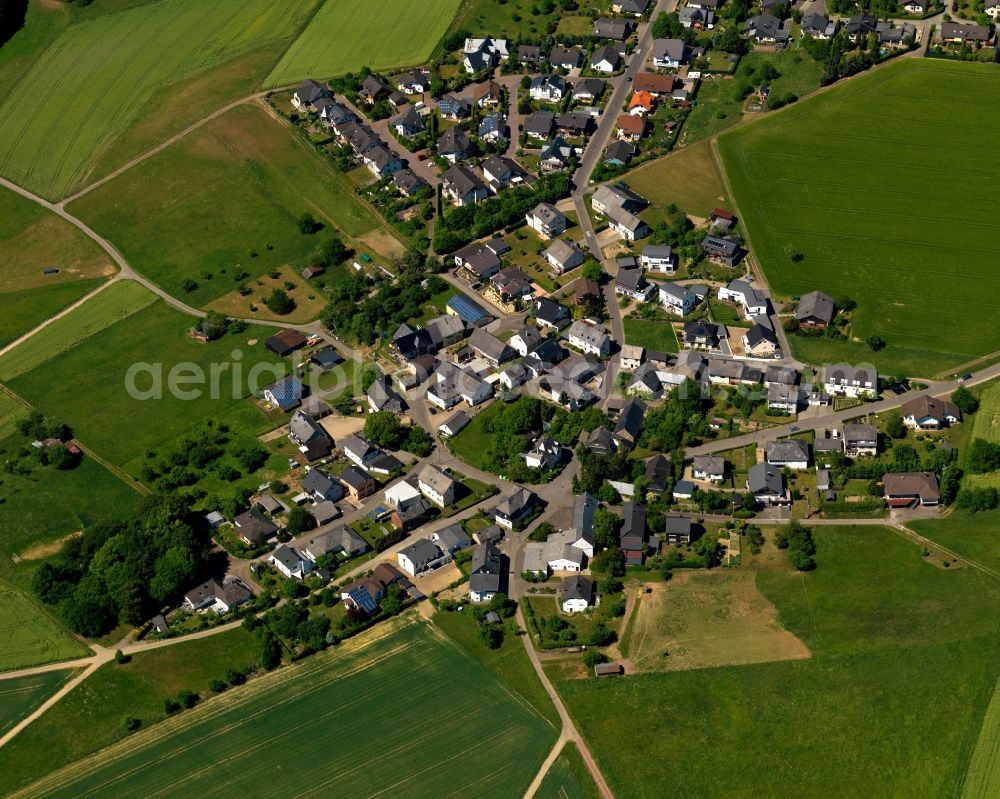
(363, 600)
(467, 309)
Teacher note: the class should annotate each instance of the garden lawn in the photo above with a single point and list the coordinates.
(975, 536)
(891, 703)
(136, 689)
(227, 205)
(515, 19)
(461, 732)
(31, 637)
(568, 778)
(20, 696)
(651, 334)
(118, 426)
(101, 73)
(886, 220)
(688, 178)
(344, 36)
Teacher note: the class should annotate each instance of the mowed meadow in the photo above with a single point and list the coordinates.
(399, 711)
(883, 186)
(345, 35)
(904, 660)
(91, 81)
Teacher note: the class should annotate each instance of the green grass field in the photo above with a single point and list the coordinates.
(30, 636)
(986, 421)
(651, 334)
(688, 178)
(121, 427)
(568, 778)
(100, 73)
(11, 412)
(904, 663)
(137, 689)
(47, 505)
(515, 18)
(983, 778)
(975, 536)
(344, 36)
(20, 696)
(407, 713)
(886, 213)
(22, 311)
(117, 302)
(226, 213)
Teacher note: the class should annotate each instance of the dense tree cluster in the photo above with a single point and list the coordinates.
(12, 13)
(385, 430)
(983, 456)
(798, 540)
(124, 570)
(679, 422)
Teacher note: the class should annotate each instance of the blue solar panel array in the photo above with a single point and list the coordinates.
(466, 309)
(363, 600)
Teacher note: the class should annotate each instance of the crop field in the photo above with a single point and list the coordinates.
(688, 178)
(460, 732)
(100, 73)
(117, 302)
(568, 778)
(891, 703)
(344, 36)
(20, 696)
(30, 636)
(119, 426)
(705, 619)
(983, 779)
(883, 215)
(226, 212)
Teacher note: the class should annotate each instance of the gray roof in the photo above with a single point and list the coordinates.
(489, 345)
(669, 48)
(453, 537)
(539, 123)
(421, 552)
(860, 432)
(454, 141)
(462, 181)
(516, 502)
(815, 305)
(710, 464)
(547, 213)
(432, 476)
(486, 569)
(577, 587)
(584, 508)
(764, 478)
(787, 449)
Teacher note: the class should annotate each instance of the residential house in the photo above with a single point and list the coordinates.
(844, 380)
(555, 155)
(613, 28)
(632, 536)
(574, 123)
(588, 90)
(544, 453)
(894, 37)
(601, 441)
(408, 183)
(992, 9)
(514, 376)
(658, 472)
(309, 93)
(549, 313)
(493, 128)
(285, 393)
(487, 94)
(374, 88)
(357, 483)
(409, 123)
(339, 540)
(530, 56)
(677, 529)
(545, 220)
(309, 436)
(930, 413)
(538, 124)
(860, 439)
(436, 485)
(423, 555)
(631, 357)
(726, 250)
(382, 396)
(514, 507)
(482, 54)
(605, 59)
(766, 29)
(409, 515)
(321, 486)
(619, 153)
(820, 26)
(815, 309)
(754, 302)
(500, 173)
(696, 18)
(445, 330)
(359, 450)
(911, 489)
(659, 258)
(455, 145)
(381, 161)
(632, 283)
(634, 7)
(453, 107)
(783, 397)
(589, 337)
(252, 527)
(487, 573)
(585, 292)
(290, 562)
(760, 341)
(563, 256)
(576, 594)
(219, 597)
(918, 6)
(787, 453)
(512, 283)
(767, 484)
(416, 81)
(618, 195)
(479, 260)
(683, 489)
(566, 57)
(709, 467)
(464, 188)
(630, 420)
(630, 128)
(677, 299)
(668, 53)
(627, 225)
(641, 103)
(860, 26)
(452, 538)
(548, 88)
(525, 340)
(701, 334)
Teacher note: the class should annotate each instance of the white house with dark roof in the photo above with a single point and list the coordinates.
(463, 186)
(562, 256)
(844, 380)
(437, 486)
(709, 467)
(677, 299)
(589, 337)
(546, 220)
(753, 302)
(659, 258)
(423, 555)
(787, 453)
(815, 309)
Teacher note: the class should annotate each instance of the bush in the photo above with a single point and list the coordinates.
(594, 656)
(131, 723)
(278, 302)
(217, 686)
(308, 224)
